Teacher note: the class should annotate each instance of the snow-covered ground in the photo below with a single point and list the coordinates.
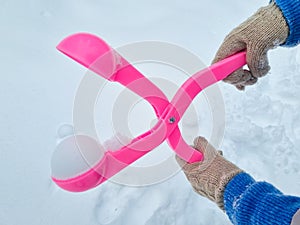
(38, 86)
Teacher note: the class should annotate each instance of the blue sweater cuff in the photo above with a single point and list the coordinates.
(290, 10)
(249, 202)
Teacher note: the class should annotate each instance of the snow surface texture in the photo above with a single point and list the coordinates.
(38, 86)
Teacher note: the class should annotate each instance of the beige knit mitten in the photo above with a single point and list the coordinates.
(209, 177)
(265, 30)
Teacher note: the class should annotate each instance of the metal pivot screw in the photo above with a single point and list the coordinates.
(172, 120)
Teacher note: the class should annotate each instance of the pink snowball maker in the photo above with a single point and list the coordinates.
(96, 55)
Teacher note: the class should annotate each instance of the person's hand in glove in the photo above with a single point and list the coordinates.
(209, 177)
(265, 30)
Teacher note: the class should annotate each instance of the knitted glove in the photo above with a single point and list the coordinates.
(209, 177)
(265, 30)
(296, 218)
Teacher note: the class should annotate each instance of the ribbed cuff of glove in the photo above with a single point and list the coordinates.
(290, 9)
(249, 202)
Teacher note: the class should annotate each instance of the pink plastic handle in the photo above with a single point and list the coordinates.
(96, 55)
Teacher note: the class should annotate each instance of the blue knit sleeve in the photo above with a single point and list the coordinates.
(248, 202)
(290, 10)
